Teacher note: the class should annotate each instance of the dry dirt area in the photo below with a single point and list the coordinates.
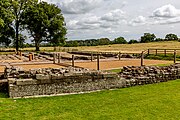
(34, 66)
(104, 65)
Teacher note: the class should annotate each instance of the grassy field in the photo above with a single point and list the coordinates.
(126, 48)
(149, 102)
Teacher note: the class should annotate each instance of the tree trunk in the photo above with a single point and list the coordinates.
(37, 45)
(17, 36)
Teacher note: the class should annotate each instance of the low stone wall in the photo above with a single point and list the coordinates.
(72, 80)
(149, 74)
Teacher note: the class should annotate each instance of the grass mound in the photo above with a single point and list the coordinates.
(155, 101)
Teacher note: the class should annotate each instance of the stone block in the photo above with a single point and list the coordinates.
(56, 76)
(110, 75)
(11, 80)
(26, 82)
(42, 77)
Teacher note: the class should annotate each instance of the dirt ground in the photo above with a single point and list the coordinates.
(104, 65)
(34, 66)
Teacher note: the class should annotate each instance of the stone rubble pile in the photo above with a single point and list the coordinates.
(149, 74)
(19, 73)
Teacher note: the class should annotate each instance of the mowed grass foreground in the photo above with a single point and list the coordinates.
(149, 102)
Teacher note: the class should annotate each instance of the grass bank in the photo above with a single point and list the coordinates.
(149, 102)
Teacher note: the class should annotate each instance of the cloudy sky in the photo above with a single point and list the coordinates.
(86, 19)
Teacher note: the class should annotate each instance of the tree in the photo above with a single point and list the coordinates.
(171, 36)
(132, 41)
(104, 41)
(18, 8)
(21, 41)
(148, 37)
(6, 19)
(45, 23)
(119, 40)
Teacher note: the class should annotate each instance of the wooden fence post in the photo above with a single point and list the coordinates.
(174, 56)
(54, 58)
(59, 57)
(72, 60)
(148, 51)
(156, 51)
(142, 58)
(91, 56)
(98, 64)
(119, 55)
(165, 52)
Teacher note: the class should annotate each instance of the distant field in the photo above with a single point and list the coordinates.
(126, 48)
(149, 102)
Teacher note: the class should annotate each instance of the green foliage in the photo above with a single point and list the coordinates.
(159, 39)
(133, 42)
(148, 37)
(45, 23)
(6, 19)
(119, 40)
(148, 102)
(71, 44)
(162, 57)
(6, 15)
(104, 41)
(18, 7)
(170, 37)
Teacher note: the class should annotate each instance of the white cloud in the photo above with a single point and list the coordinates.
(166, 14)
(114, 15)
(87, 22)
(78, 6)
(140, 20)
(166, 11)
(168, 21)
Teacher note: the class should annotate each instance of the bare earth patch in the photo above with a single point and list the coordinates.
(35, 66)
(104, 65)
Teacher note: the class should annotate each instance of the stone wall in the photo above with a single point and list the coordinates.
(64, 80)
(50, 81)
(149, 74)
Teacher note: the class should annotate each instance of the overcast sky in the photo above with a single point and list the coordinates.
(86, 19)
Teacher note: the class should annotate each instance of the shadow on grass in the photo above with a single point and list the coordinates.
(3, 95)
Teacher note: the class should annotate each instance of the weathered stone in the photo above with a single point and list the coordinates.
(26, 82)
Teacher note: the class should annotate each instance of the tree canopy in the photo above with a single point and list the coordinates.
(171, 36)
(119, 40)
(6, 19)
(147, 37)
(45, 23)
(18, 7)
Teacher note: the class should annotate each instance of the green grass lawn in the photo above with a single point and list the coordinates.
(149, 102)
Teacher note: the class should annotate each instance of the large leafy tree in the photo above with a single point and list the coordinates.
(45, 23)
(104, 41)
(148, 37)
(171, 36)
(18, 7)
(119, 40)
(6, 18)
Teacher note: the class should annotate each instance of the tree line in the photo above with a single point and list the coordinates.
(147, 37)
(44, 22)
